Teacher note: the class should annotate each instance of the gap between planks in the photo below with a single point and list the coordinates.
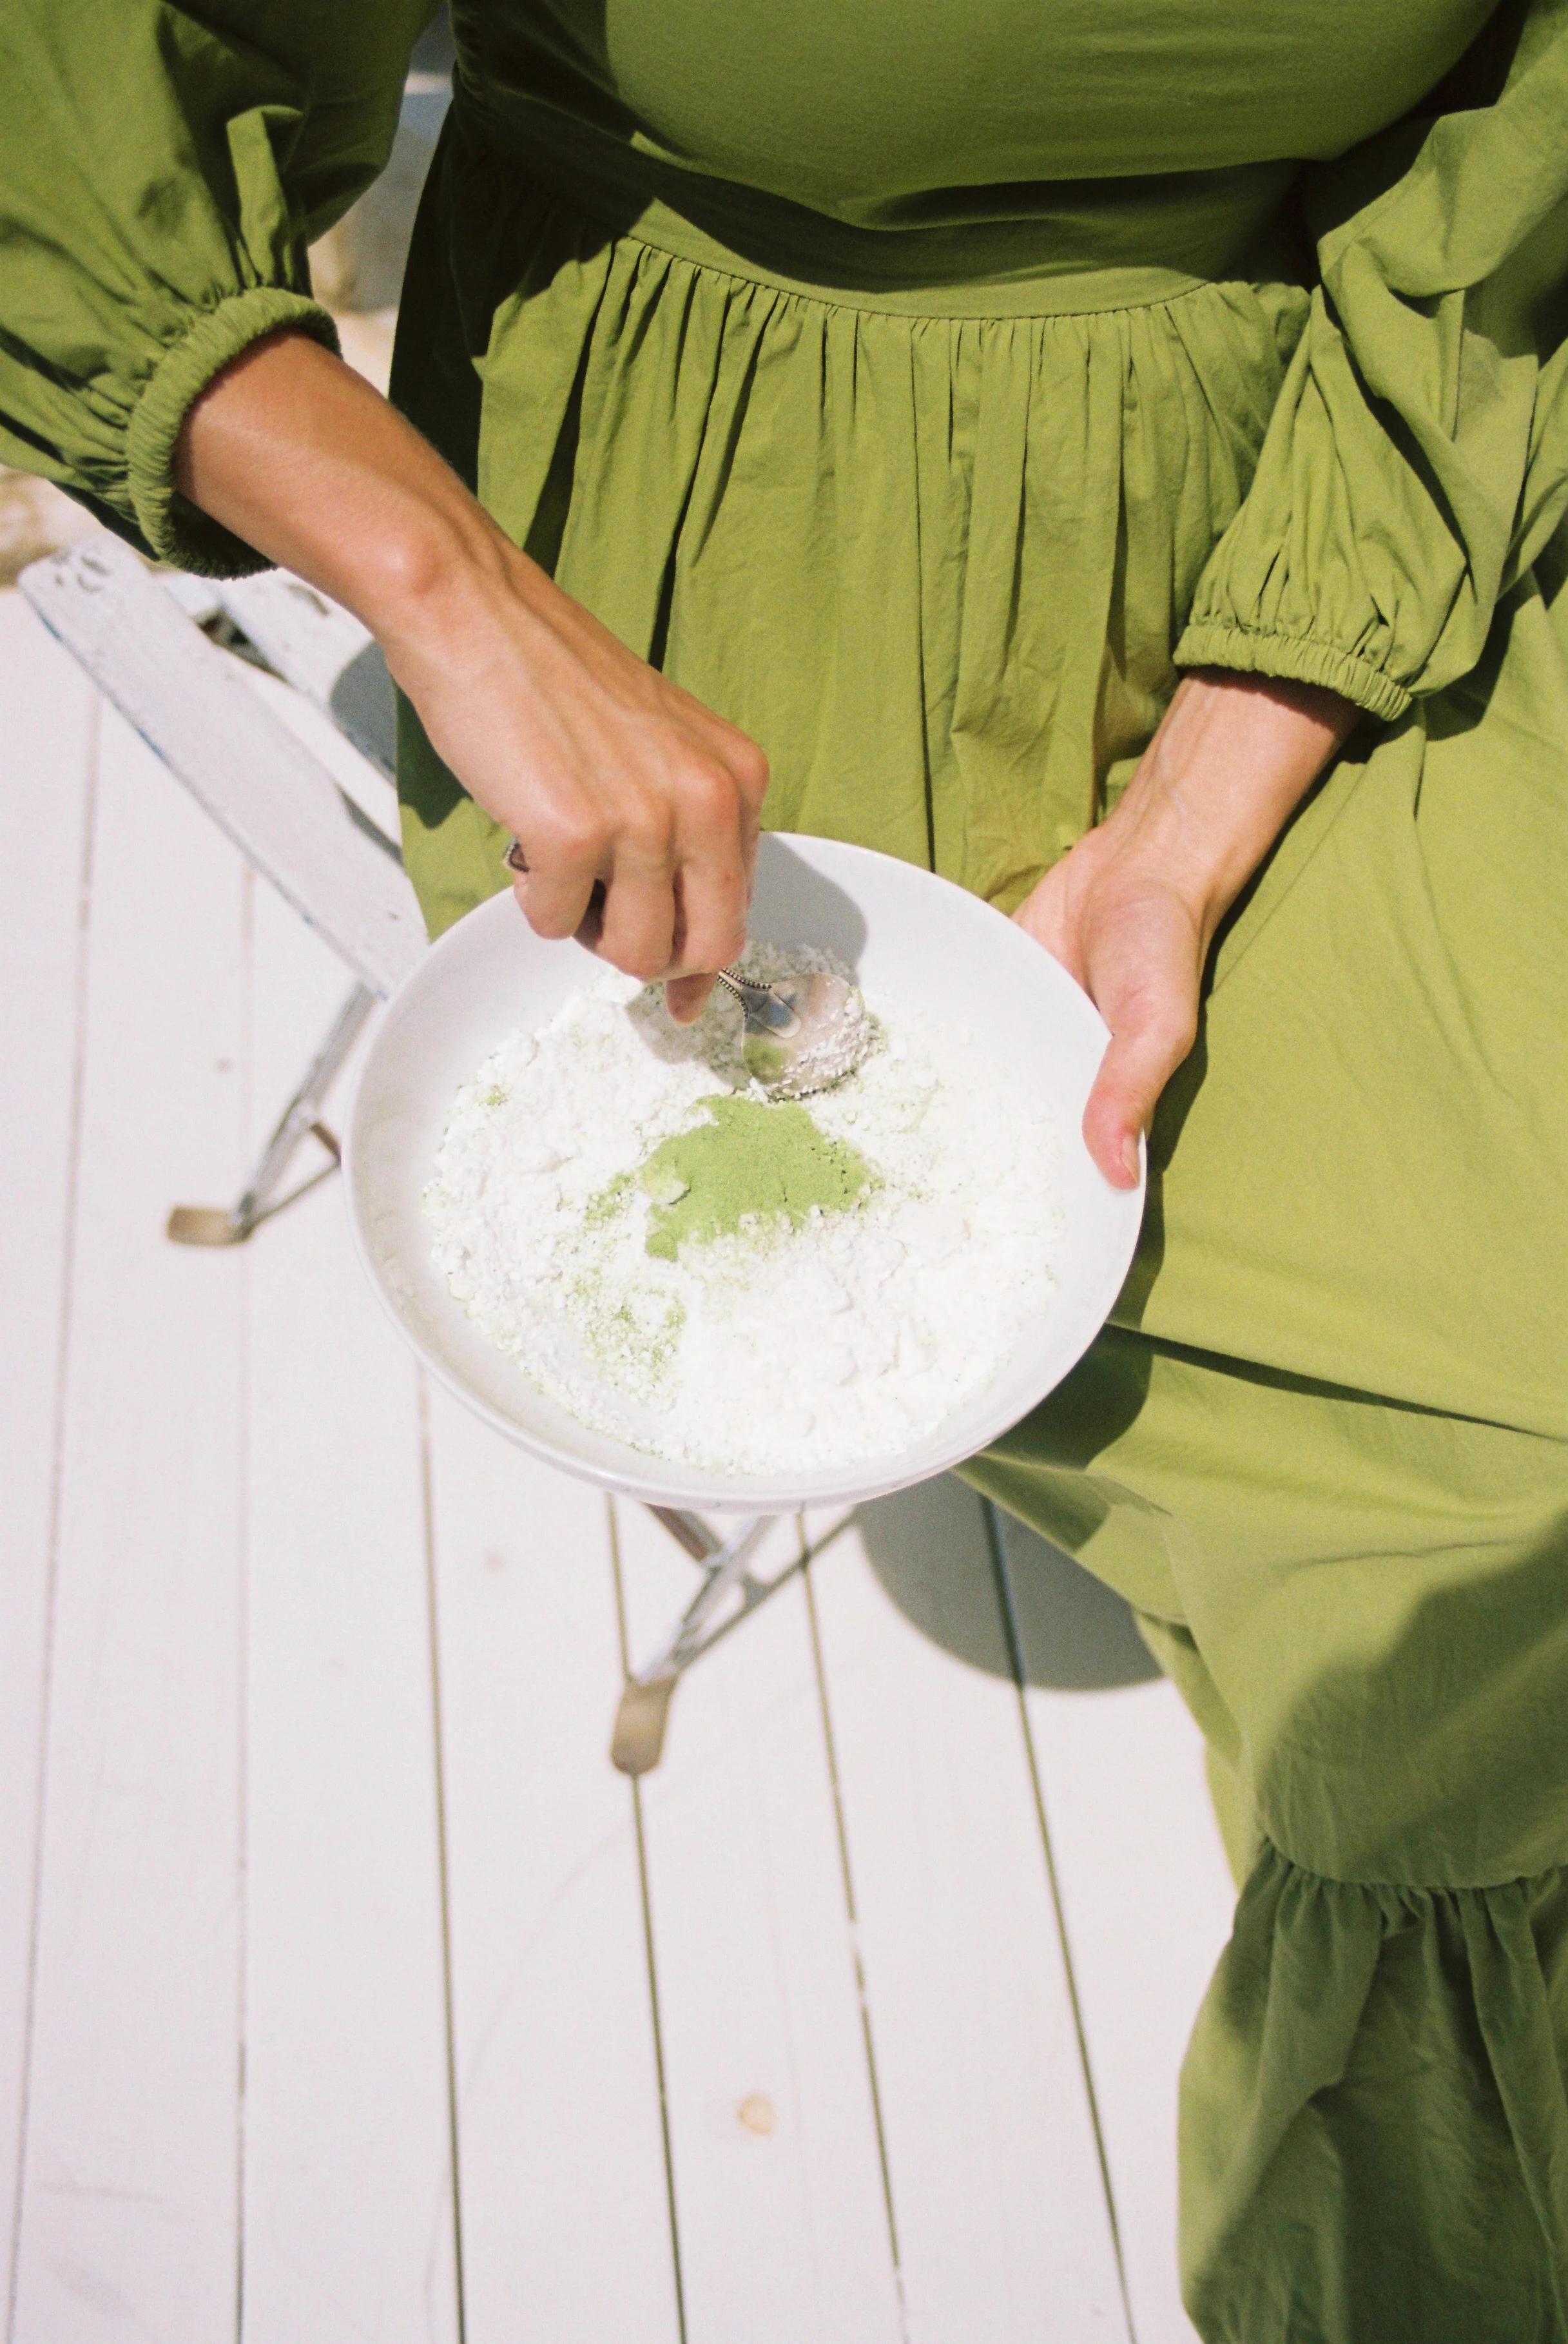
(49, 1557)
(443, 1868)
(868, 2035)
(649, 1952)
(1001, 2211)
(126, 2196)
(1032, 1759)
(747, 1888)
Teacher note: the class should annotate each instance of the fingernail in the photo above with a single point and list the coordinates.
(1130, 1159)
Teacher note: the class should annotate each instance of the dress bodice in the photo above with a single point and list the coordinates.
(939, 110)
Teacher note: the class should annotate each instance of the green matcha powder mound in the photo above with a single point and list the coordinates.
(764, 1158)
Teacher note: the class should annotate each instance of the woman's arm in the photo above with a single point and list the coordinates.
(1415, 464)
(605, 771)
(162, 165)
(1132, 910)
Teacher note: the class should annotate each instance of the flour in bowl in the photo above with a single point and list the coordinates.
(741, 1284)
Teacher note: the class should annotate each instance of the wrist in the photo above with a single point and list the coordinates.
(298, 455)
(1230, 763)
(428, 572)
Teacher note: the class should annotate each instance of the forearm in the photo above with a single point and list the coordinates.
(300, 457)
(636, 807)
(1230, 764)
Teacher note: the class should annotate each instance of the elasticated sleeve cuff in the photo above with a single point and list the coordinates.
(165, 166)
(1418, 450)
(176, 530)
(1298, 657)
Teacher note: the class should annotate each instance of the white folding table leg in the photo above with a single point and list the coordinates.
(637, 1742)
(223, 1225)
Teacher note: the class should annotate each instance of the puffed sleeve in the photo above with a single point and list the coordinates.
(163, 164)
(1418, 458)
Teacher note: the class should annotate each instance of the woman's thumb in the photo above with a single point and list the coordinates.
(1140, 1060)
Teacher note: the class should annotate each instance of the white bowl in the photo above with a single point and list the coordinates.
(910, 936)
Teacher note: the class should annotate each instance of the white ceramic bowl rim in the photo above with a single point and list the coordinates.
(909, 936)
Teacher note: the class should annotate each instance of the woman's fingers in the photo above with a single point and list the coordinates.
(635, 808)
(1150, 1036)
(637, 931)
(684, 997)
(1143, 955)
(717, 834)
(678, 883)
(1136, 947)
(666, 892)
(712, 893)
(554, 903)
(562, 850)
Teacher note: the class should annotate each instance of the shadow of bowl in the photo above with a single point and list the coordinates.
(931, 1551)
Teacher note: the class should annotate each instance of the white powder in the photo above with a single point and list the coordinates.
(841, 1341)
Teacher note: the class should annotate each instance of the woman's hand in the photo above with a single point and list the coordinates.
(610, 777)
(636, 807)
(1132, 909)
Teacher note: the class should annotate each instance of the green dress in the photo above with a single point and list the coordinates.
(923, 385)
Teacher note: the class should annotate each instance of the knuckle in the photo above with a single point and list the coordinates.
(726, 939)
(647, 830)
(1158, 1021)
(716, 931)
(1179, 1028)
(707, 796)
(640, 961)
(551, 924)
(752, 769)
(567, 836)
(732, 942)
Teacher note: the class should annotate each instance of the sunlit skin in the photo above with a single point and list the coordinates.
(606, 772)
(1132, 910)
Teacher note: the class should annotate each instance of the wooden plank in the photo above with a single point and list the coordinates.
(323, 651)
(47, 743)
(1004, 2229)
(1143, 1882)
(348, 2203)
(301, 693)
(565, 2192)
(371, 790)
(263, 790)
(779, 2188)
(130, 2187)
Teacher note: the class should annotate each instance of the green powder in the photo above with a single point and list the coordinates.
(761, 1156)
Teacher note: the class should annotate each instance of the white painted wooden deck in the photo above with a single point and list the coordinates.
(345, 1992)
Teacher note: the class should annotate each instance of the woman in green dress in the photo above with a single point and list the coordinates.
(1114, 450)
